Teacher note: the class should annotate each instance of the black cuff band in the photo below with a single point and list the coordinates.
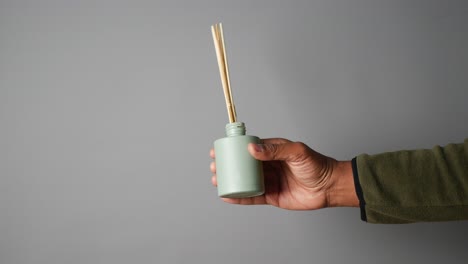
(357, 186)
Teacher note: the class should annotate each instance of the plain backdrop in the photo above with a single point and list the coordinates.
(108, 110)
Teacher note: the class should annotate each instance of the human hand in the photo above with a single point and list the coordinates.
(298, 178)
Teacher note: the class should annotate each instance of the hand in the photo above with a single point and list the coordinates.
(298, 178)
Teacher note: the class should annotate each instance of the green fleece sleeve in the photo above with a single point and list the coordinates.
(413, 186)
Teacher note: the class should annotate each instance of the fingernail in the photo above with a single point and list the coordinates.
(259, 147)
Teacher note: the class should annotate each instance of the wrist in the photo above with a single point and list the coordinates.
(342, 192)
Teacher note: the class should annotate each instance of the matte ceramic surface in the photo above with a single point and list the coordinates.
(239, 175)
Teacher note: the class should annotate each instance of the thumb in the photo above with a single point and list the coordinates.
(291, 151)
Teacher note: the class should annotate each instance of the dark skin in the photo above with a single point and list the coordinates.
(298, 178)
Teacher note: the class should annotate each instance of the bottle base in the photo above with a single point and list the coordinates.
(243, 194)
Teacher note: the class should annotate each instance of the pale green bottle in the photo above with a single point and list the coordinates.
(239, 175)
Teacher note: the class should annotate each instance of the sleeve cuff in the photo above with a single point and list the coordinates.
(357, 186)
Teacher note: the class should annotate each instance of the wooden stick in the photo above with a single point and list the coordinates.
(218, 38)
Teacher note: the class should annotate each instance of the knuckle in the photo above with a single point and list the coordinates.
(301, 151)
(300, 147)
(283, 140)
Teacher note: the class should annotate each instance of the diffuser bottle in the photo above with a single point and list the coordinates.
(239, 175)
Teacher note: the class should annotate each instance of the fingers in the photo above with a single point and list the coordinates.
(213, 167)
(214, 180)
(212, 153)
(213, 170)
(287, 151)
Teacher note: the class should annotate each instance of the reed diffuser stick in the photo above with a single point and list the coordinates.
(218, 38)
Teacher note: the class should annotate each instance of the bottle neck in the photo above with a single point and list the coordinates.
(235, 129)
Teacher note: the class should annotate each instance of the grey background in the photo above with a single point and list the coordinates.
(108, 111)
